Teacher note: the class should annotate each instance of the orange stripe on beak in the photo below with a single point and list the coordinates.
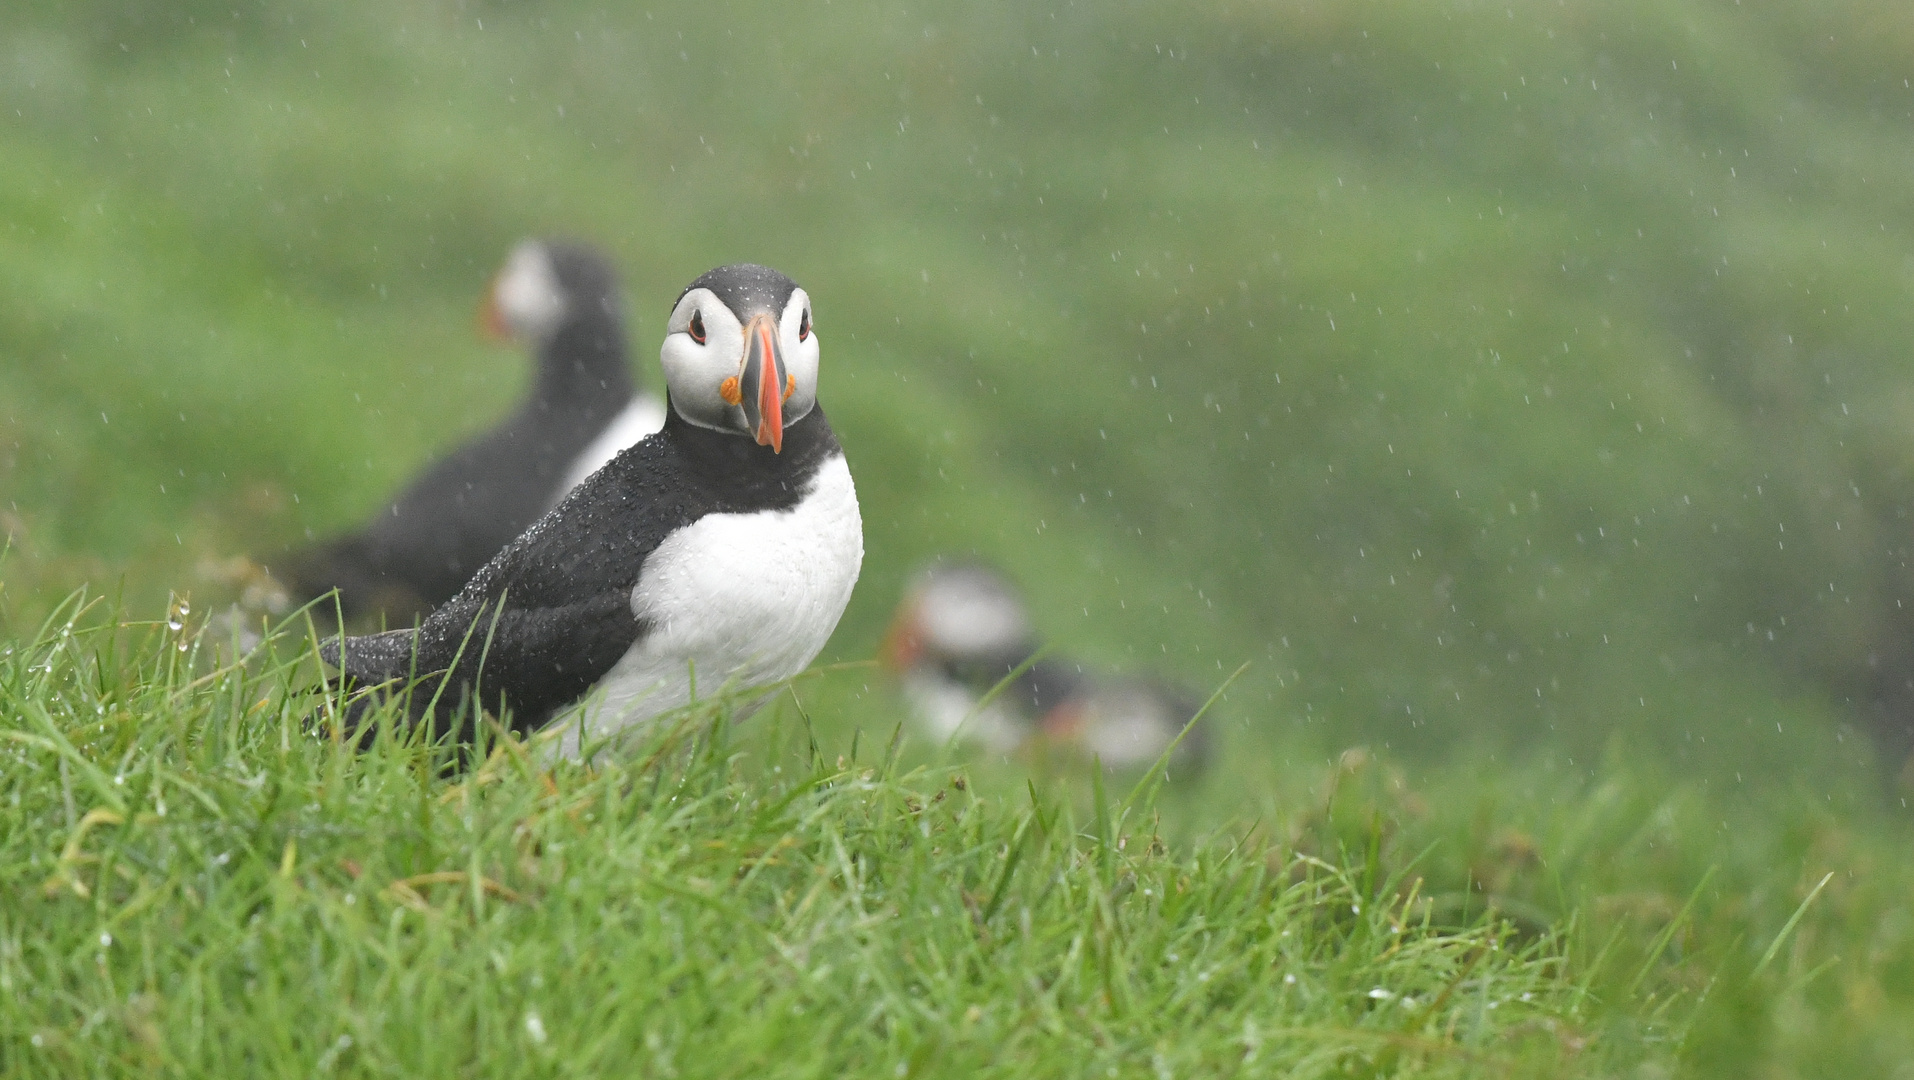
(762, 349)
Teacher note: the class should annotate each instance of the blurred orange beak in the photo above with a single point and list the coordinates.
(1065, 723)
(902, 643)
(491, 320)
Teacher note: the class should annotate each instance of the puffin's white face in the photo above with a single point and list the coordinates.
(525, 300)
(751, 372)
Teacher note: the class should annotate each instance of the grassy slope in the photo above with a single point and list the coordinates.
(195, 887)
(1587, 439)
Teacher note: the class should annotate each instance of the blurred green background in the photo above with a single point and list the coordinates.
(1525, 374)
(1520, 387)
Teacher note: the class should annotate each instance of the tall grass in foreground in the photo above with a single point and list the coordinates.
(193, 884)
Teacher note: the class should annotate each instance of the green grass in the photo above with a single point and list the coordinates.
(196, 879)
(195, 885)
(1522, 388)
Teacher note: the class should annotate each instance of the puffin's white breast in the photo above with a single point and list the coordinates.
(643, 416)
(749, 598)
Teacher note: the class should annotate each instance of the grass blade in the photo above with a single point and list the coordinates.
(1775, 947)
(1162, 764)
(1668, 932)
(991, 695)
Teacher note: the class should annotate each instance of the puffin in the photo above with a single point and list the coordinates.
(962, 627)
(563, 298)
(720, 551)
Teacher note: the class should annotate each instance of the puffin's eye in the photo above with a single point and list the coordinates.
(697, 327)
(804, 325)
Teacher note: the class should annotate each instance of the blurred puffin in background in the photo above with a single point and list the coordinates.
(721, 550)
(563, 300)
(962, 627)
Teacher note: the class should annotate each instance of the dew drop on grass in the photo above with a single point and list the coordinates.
(106, 940)
(535, 1028)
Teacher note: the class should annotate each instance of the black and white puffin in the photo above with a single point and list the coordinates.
(563, 298)
(962, 627)
(722, 549)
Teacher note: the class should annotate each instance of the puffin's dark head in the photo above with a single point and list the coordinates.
(740, 354)
(545, 283)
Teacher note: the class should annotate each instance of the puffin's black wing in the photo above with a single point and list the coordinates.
(373, 658)
(551, 613)
(531, 662)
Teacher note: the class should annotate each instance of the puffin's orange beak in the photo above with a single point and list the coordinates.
(762, 384)
(1066, 722)
(902, 642)
(491, 319)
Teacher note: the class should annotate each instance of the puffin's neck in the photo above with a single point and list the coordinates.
(584, 362)
(734, 456)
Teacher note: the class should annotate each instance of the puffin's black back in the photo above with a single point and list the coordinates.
(424, 545)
